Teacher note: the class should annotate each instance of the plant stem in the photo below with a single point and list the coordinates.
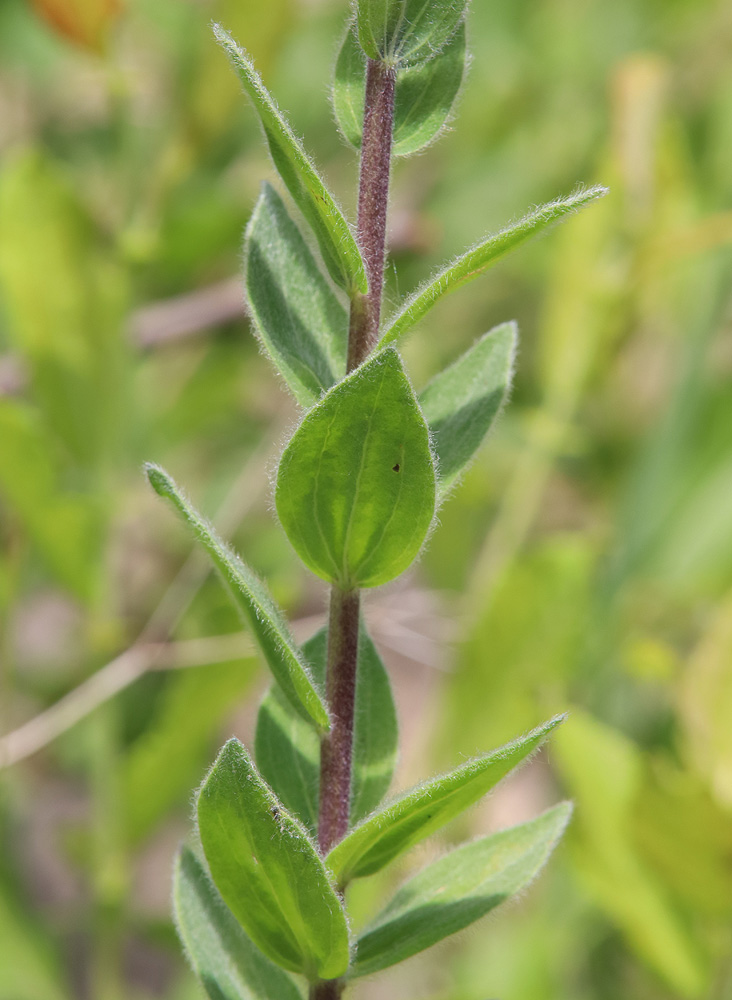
(327, 989)
(337, 746)
(336, 749)
(373, 197)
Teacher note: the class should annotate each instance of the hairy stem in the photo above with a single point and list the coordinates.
(373, 197)
(336, 750)
(337, 746)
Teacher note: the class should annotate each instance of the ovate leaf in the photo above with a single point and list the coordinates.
(335, 239)
(482, 256)
(461, 403)
(288, 750)
(417, 814)
(269, 871)
(356, 484)
(301, 323)
(404, 32)
(424, 94)
(251, 597)
(227, 962)
(459, 889)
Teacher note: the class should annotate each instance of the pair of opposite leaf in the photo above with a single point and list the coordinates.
(282, 908)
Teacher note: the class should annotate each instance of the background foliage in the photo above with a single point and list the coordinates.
(585, 561)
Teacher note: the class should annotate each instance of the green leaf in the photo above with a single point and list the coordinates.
(459, 889)
(424, 94)
(461, 403)
(251, 597)
(269, 871)
(417, 814)
(227, 962)
(288, 751)
(404, 32)
(376, 735)
(356, 484)
(482, 256)
(301, 323)
(336, 241)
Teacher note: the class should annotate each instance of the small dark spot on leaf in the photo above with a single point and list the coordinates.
(395, 468)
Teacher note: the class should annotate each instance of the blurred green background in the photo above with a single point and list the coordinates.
(584, 563)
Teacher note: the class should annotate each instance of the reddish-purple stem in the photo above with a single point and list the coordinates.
(337, 746)
(373, 198)
(336, 750)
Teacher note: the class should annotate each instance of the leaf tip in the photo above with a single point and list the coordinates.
(562, 814)
(585, 195)
(566, 808)
(220, 33)
(158, 479)
(232, 754)
(232, 748)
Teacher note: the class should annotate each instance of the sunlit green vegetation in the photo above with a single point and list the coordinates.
(585, 562)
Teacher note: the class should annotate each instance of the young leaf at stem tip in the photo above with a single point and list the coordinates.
(459, 889)
(405, 32)
(356, 483)
(228, 963)
(268, 871)
(412, 817)
(251, 597)
(288, 750)
(483, 256)
(423, 97)
(461, 402)
(296, 314)
(335, 239)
